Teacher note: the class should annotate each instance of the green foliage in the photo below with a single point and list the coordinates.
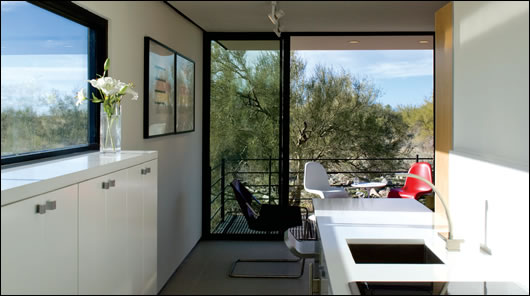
(420, 121)
(25, 130)
(420, 117)
(333, 115)
(245, 105)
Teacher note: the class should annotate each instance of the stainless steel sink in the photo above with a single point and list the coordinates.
(394, 253)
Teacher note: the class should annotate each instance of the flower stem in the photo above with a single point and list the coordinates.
(109, 131)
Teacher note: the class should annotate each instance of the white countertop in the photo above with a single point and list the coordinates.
(25, 181)
(344, 220)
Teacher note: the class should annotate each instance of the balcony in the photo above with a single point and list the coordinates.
(261, 178)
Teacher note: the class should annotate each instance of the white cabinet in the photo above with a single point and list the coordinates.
(39, 250)
(142, 227)
(103, 235)
(117, 232)
(96, 236)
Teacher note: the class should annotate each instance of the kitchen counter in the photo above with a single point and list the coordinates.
(25, 181)
(344, 220)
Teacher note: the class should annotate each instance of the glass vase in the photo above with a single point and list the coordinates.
(110, 130)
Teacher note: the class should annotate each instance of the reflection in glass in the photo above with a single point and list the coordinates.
(44, 64)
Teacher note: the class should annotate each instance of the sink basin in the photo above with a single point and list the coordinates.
(392, 253)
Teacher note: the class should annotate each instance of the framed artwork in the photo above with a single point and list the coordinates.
(185, 95)
(159, 89)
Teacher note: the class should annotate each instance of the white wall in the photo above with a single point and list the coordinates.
(491, 81)
(490, 156)
(180, 163)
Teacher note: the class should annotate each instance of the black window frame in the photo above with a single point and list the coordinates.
(97, 52)
(285, 82)
(208, 37)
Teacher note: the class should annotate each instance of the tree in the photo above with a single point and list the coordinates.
(420, 121)
(244, 105)
(25, 130)
(244, 116)
(334, 115)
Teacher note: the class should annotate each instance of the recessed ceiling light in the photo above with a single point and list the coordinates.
(354, 41)
(423, 41)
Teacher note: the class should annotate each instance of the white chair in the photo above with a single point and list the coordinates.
(316, 181)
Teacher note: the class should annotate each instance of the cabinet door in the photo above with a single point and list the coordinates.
(150, 200)
(39, 251)
(135, 227)
(103, 236)
(142, 220)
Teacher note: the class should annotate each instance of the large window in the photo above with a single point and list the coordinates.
(244, 113)
(49, 51)
(362, 105)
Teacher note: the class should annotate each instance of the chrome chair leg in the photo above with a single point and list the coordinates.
(306, 229)
(309, 230)
(278, 276)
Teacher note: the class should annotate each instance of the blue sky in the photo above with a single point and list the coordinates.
(46, 33)
(41, 56)
(404, 76)
(51, 50)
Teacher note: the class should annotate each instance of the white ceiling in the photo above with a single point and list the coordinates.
(335, 43)
(365, 42)
(312, 16)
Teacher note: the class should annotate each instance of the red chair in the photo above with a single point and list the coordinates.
(414, 188)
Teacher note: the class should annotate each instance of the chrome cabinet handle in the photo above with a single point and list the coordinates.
(105, 185)
(112, 183)
(41, 209)
(51, 205)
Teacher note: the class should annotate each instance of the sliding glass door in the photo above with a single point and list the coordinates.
(244, 136)
(272, 104)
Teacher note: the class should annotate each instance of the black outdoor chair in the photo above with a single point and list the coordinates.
(265, 217)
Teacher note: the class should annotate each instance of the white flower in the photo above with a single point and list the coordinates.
(80, 97)
(121, 85)
(127, 89)
(108, 85)
(111, 89)
(94, 82)
(132, 92)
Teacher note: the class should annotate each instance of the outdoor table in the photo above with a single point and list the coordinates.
(368, 186)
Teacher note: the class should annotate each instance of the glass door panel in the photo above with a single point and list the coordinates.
(244, 128)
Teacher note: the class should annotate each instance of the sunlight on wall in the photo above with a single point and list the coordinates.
(473, 182)
(489, 161)
(491, 81)
(497, 14)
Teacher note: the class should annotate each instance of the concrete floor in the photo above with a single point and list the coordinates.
(205, 270)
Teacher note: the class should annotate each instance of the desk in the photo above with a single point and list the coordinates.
(369, 186)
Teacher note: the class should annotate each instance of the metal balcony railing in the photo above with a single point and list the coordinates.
(269, 192)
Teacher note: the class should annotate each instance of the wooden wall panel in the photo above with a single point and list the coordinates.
(443, 85)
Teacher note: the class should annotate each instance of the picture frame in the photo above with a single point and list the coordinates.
(185, 95)
(159, 89)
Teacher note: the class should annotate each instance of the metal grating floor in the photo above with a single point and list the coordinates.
(236, 224)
